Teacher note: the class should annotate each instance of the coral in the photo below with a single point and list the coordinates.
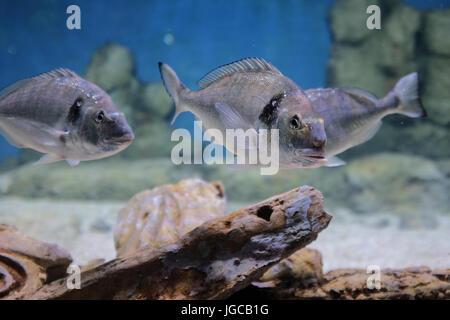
(153, 218)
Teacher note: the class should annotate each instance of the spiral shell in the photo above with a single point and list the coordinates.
(27, 264)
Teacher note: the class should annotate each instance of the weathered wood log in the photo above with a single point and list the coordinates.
(212, 261)
(300, 277)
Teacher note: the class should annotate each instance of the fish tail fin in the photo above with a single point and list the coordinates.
(407, 91)
(173, 86)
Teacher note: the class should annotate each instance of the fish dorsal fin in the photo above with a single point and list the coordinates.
(360, 93)
(243, 65)
(58, 73)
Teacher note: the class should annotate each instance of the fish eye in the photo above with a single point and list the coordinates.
(100, 116)
(295, 123)
(78, 103)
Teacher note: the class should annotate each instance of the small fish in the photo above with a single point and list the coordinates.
(252, 94)
(353, 116)
(64, 116)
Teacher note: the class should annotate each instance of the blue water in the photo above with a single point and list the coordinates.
(293, 35)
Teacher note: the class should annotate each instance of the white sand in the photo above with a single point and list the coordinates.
(355, 245)
(85, 229)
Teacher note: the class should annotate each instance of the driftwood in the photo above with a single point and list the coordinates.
(213, 261)
(300, 277)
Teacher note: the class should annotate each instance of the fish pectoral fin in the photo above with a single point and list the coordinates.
(10, 138)
(49, 135)
(334, 162)
(48, 158)
(231, 118)
(73, 162)
(32, 132)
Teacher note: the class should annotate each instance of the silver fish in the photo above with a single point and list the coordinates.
(252, 93)
(64, 116)
(353, 116)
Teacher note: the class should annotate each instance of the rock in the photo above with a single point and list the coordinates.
(421, 138)
(103, 179)
(213, 261)
(157, 101)
(395, 48)
(27, 264)
(436, 93)
(437, 110)
(304, 267)
(437, 24)
(385, 55)
(241, 187)
(126, 100)
(348, 64)
(384, 181)
(151, 140)
(401, 25)
(374, 60)
(161, 216)
(348, 20)
(111, 67)
(393, 183)
(444, 167)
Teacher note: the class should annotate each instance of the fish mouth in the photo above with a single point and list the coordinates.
(310, 153)
(126, 138)
(315, 157)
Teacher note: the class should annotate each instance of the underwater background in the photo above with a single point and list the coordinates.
(390, 202)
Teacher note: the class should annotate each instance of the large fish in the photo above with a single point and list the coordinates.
(314, 125)
(64, 116)
(353, 116)
(252, 93)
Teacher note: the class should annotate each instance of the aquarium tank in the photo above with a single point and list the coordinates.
(115, 88)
